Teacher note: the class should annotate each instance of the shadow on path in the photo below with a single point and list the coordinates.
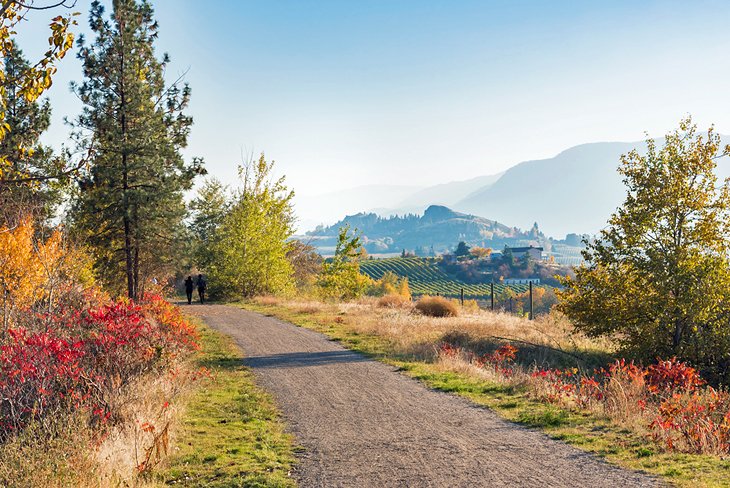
(303, 359)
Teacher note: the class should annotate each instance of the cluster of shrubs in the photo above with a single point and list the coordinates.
(82, 355)
(679, 411)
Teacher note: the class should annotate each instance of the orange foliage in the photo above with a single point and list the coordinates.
(27, 264)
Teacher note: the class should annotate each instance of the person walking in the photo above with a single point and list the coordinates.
(189, 289)
(202, 285)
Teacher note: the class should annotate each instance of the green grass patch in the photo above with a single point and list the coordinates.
(232, 435)
(584, 430)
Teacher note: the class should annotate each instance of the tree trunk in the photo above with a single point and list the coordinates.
(129, 262)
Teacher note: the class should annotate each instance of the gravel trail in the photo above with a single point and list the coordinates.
(363, 424)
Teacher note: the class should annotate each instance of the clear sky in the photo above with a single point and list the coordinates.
(418, 92)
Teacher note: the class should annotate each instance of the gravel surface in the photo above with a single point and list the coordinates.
(363, 424)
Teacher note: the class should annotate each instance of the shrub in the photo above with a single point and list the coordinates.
(437, 307)
(84, 358)
(393, 301)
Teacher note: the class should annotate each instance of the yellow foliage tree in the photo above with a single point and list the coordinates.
(27, 266)
(480, 252)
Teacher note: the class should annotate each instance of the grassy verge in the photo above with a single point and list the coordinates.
(231, 433)
(585, 431)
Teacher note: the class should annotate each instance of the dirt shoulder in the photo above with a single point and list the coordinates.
(363, 424)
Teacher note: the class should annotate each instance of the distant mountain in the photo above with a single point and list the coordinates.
(575, 191)
(448, 194)
(384, 200)
(439, 229)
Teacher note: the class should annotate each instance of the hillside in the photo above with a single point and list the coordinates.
(439, 229)
(425, 277)
(575, 191)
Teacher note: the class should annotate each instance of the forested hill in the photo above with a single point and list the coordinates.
(437, 230)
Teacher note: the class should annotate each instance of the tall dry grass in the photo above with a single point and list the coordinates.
(548, 340)
(64, 452)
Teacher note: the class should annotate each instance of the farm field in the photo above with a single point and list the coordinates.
(426, 278)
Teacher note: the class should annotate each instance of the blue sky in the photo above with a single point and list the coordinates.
(345, 93)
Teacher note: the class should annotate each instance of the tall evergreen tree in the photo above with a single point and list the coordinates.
(129, 203)
(21, 148)
(21, 84)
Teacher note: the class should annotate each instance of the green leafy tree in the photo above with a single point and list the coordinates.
(658, 278)
(341, 278)
(129, 204)
(248, 250)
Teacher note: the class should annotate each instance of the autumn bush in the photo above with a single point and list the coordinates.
(83, 358)
(667, 400)
(437, 307)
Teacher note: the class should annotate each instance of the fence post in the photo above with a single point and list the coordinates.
(462, 297)
(532, 316)
(492, 295)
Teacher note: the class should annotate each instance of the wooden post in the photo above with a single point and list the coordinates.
(532, 316)
(492, 296)
(462, 297)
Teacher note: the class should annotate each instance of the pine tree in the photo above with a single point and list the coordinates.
(209, 208)
(21, 84)
(462, 249)
(129, 203)
(22, 149)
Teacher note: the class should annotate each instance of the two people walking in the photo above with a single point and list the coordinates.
(202, 286)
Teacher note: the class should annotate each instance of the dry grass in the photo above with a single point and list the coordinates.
(52, 455)
(546, 340)
(268, 300)
(67, 453)
(394, 301)
(150, 424)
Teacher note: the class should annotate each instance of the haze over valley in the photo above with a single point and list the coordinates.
(573, 192)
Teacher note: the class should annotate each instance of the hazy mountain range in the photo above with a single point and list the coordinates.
(573, 192)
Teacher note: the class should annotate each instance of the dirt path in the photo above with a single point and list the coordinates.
(363, 424)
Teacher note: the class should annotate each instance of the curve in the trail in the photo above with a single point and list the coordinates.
(363, 424)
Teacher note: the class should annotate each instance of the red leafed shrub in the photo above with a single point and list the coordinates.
(500, 360)
(697, 422)
(670, 376)
(40, 373)
(506, 353)
(680, 411)
(83, 357)
(448, 350)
